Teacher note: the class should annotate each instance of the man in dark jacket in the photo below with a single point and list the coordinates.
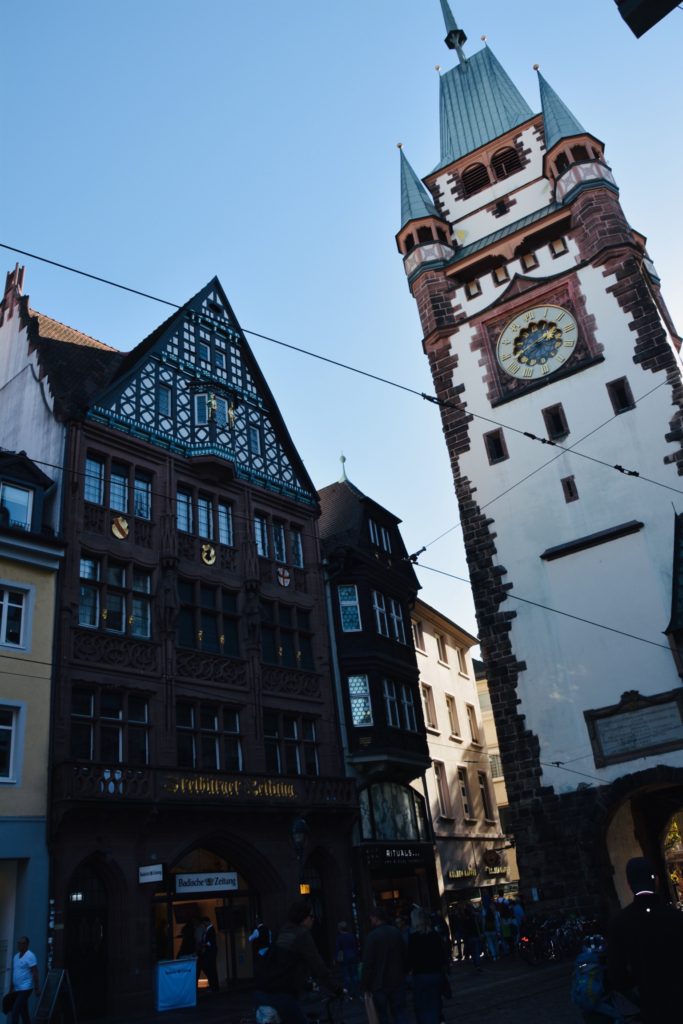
(283, 972)
(645, 947)
(384, 969)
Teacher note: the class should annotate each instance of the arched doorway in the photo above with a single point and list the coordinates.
(204, 884)
(641, 810)
(86, 940)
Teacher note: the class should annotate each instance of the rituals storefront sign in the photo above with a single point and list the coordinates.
(206, 881)
(395, 854)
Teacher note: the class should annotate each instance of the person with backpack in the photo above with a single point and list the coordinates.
(280, 975)
(645, 947)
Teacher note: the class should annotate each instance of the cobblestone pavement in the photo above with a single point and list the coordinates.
(505, 992)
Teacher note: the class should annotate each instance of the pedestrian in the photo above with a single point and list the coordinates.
(383, 975)
(346, 955)
(261, 939)
(472, 933)
(24, 980)
(280, 975)
(490, 920)
(645, 947)
(427, 962)
(188, 941)
(457, 932)
(208, 954)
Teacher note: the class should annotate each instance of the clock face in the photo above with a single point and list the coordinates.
(538, 342)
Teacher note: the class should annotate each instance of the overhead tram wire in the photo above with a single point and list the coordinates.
(538, 469)
(555, 611)
(441, 403)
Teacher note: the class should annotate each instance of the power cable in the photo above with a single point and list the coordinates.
(434, 400)
(441, 403)
(569, 450)
(556, 611)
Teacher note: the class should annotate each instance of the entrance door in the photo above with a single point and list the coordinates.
(86, 942)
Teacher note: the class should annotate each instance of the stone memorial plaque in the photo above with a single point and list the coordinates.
(636, 727)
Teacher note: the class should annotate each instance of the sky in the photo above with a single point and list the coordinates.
(156, 143)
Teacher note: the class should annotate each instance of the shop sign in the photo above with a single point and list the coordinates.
(456, 873)
(384, 854)
(497, 869)
(206, 881)
(228, 788)
(151, 873)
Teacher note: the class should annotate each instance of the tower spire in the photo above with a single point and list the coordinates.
(416, 201)
(558, 119)
(455, 37)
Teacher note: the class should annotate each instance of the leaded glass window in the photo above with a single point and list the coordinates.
(349, 609)
(359, 699)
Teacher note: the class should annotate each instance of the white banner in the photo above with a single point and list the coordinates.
(176, 983)
(151, 873)
(206, 881)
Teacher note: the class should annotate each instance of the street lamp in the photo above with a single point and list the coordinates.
(299, 834)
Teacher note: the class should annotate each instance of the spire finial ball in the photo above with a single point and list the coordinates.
(537, 67)
(483, 38)
(399, 145)
(437, 67)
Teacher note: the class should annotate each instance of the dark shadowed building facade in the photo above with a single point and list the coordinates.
(196, 768)
(371, 588)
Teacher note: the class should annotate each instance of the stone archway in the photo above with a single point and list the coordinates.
(94, 891)
(637, 810)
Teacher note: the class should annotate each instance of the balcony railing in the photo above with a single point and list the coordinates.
(121, 783)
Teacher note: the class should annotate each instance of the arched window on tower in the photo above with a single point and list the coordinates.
(474, 179)
(580, 153)
(506, 162)
(561, 163)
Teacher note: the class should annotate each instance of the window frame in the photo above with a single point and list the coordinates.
(615, 388)
(396, 620)
(418, 635)
(118, 485)
(122, 726)
(441, 648)
(349, 603)
(380, 613)
(495, 446)
(27, 592)
(475, 731)
(465, 796)
(196, 614)
(111, 596)
(16, 729)
(299, 747)
(365, 720)
(429, 707)
(453, 717)
(15, 524)
(391, 706)
(485, 796)
(198, 731)
(290, 630)
(443, 795)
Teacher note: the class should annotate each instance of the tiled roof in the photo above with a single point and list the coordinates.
(510, 229)
(478, 102)
(76, 365)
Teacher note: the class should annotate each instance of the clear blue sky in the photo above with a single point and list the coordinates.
(159, 142)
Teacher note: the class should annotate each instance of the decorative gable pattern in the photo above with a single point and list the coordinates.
(194, 386)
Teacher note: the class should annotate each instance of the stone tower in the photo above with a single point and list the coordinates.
(557, 370)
